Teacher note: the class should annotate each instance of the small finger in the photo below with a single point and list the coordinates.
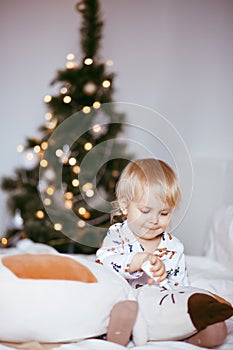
(150, 281)
(162, 277)
(157, 265)
(158, 270)
(153, 259)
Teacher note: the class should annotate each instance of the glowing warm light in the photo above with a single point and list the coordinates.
(87, 186)
(88, 61)
(67, 99)
(65, 160)
(52, 123)
(44, 145)
(40, 214)
(4, 240)
(82, 210)
(20, 148)
(90, 193)
(57, 226)
(48, 116)
(106, 83)
(90, 88)
(96, 104)
(30, 156)
(59, 152)
(43, 163)
(49, 174)
(88, 146)
(97, 128)
(63, 90)
(86, 109)
(70, 65)
(37, 149)
(109, 63)
(47, 201)
(81, 223)
(68, 195)
(50, 190)
(75, 183)
(47, 98)
(68, 204)
(72, 161)
(115, 173)
(87, 215)
(76, 169)
(70, 56)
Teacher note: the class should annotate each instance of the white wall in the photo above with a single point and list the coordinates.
(175, 56)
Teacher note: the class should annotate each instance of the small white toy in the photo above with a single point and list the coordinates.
(146, 267)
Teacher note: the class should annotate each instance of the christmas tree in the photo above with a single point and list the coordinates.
(60, 210)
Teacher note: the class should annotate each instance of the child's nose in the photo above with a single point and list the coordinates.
(155, 218)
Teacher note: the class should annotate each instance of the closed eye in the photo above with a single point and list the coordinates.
(165, 213)
(144, 210)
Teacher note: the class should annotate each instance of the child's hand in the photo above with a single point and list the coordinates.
(157, 268)
(138, 260)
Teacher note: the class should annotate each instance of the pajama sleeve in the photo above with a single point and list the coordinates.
(177, 275)
(114, 254)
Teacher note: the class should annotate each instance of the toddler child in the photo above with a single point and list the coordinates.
(147, 194)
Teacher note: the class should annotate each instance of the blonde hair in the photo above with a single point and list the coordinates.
(142, 175)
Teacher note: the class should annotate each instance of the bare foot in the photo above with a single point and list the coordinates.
(211, 336)
(122, 319)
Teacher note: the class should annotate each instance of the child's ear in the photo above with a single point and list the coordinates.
(123, 206)
(124, 211)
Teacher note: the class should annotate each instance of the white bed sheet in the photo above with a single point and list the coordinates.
(203, 273)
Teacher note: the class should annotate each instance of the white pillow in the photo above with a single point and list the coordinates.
(219, 243)
(58, 310)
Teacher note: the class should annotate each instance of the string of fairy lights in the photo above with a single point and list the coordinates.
(34, 156)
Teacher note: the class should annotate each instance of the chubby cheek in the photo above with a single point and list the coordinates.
(164, 223)
(139, 229)
(132, 216)
(135, 223)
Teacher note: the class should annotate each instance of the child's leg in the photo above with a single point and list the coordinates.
(122, 319)
(211, 336)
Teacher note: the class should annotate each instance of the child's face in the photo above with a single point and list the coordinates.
(149, 217)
